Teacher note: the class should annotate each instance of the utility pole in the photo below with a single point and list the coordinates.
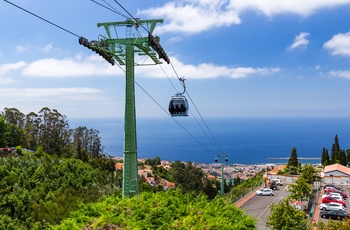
(224, 159)
(122, 50)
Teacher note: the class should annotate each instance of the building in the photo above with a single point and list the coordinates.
(336, 174)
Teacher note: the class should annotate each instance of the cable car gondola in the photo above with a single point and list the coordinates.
(178, 105)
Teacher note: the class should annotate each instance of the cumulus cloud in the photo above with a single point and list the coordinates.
(341, 74)
(300, 41)
(206, 71)
(272, 7)
(6, 68)
(195, 16)
(339, 44)
(96, 66)
(69, 67)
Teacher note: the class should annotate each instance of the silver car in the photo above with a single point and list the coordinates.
(331, 206)
(265, 192)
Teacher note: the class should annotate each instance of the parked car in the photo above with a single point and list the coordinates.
(329, 199)
(331, 206)
(265, 192)
(277, 181)
(335, 214)
(333, 186)
(336, 195)
(343, 194)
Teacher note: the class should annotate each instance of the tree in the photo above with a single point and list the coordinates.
(347, 157)
(300, 189)
(335, 151)
(187, 177)
(293, 162)
(284, 217)
(310, 174)
(325, 160)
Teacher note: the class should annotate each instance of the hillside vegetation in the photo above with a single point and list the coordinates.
(54, 177)
(172, 209)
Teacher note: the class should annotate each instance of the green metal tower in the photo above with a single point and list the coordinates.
(224, 159)
(122, 50)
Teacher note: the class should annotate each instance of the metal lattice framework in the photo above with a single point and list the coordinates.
(123, 50)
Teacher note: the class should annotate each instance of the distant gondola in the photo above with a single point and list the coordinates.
(178, 105)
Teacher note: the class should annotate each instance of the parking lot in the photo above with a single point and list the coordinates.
(347, 208)
(259, 206)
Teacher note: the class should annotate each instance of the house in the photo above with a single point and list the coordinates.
(277, 169)
(336, 170)
(336, 174)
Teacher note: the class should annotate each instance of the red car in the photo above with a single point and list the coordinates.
(330, 189)
(329, 199)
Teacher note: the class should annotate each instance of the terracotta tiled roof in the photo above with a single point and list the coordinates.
(338, 167)
(277, 168)
(119, 166)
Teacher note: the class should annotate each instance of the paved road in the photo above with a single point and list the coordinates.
(259, 206)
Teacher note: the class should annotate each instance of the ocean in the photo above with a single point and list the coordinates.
(244, 140)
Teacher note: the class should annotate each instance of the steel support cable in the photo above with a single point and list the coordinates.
(130, 14)
(168, 78)
(206, 133)
(110, 9)
(42, 18)
(154, 100)
(217, 144)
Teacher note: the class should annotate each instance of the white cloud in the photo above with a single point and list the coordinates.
(195, 16)
(69, 67)
(174, 39)
(300, 41)
(47, 48)
(21, 49)
(6, 68)
(272, 7)
(341, 74)
(339, 44)
(204, 71)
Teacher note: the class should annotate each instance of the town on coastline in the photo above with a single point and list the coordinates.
(214, 170)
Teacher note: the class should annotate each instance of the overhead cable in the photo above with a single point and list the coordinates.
(42, 18)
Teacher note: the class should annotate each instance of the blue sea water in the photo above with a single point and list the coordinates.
(244, 140)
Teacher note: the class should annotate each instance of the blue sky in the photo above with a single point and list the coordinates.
(241, 58)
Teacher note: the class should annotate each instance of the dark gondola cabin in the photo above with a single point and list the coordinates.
(178, 105)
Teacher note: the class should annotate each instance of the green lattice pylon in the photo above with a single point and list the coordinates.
(123, 50)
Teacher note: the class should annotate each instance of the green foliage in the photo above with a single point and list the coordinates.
(49, 130)
(300, 189)
(172, 209)
(310, 174)
(332, 225)
(187, 177)
(38, 191)
(153, 162)
(285, 217)
(293, 163)
(246, 186)
(325, 160)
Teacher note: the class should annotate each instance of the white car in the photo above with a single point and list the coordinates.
(335, 195)
(331, 206)
(265, 192)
